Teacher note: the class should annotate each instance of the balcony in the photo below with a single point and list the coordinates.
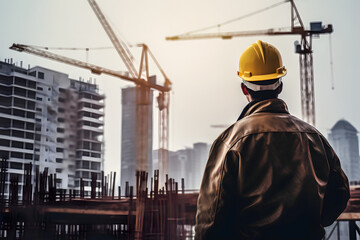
(94, 129)
(90, 119)
(92, 110)
(92, 101)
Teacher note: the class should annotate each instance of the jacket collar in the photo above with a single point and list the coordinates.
(273, 105)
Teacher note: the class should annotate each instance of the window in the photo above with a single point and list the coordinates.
(16, 133)
(37, 137)
(38, 109)
(16, 155)
(18, 124)
(95, 166)
(59, 160)
(85, 175)
(18, 102)
(20, 81)
(5, 132)
(95, 155)
(30, 126)
(85, 165)
(60, 130)
(41, 75)
(31, 84)
(29, 146)
(39, 98)
(19, 113)
(5, 143)
(4, 122)
(30, 115)
(29, 135)
(15, 176)
(15, 165)
(59, 150)
(17, 144)
(58, 170)
(40, 88)
(31, 94)
(5, 111)
(31, 105)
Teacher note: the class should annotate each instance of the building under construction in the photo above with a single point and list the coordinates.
(51, 121)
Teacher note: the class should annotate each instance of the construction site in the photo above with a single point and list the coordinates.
(55, 186)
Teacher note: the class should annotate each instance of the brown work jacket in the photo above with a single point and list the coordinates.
(270, 176)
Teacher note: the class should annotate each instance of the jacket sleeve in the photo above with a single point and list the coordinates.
(337, 191)
(216, 208)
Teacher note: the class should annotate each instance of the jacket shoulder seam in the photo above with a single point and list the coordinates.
(259, 132)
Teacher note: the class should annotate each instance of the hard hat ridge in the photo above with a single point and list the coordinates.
(261, 50)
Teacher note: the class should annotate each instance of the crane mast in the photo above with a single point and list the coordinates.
(143, 101)
(304, 49)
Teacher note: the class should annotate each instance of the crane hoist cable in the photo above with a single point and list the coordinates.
(71, 48)
(331, 64)
(236, 19)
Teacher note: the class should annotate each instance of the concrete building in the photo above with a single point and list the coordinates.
(343, 138)
(51, 121)
(128, 136)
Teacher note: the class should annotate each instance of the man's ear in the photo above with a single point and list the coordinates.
(244, 89)
(280, 88)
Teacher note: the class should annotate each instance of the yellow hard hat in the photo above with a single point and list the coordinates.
(260, 62)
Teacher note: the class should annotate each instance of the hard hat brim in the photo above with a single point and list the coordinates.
(265, 77)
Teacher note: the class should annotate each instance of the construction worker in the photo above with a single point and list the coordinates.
(269, 175)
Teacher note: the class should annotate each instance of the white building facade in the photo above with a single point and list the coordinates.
(52, 122)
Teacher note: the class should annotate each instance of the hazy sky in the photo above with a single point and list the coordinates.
(206, 89)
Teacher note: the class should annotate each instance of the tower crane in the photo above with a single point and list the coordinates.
(303, 48)
(144, 84)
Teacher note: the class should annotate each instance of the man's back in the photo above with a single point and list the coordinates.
(267, 177)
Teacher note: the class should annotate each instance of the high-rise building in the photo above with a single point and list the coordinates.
(188, 163)
(343, 138)
(128, 136)
(51, 121)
